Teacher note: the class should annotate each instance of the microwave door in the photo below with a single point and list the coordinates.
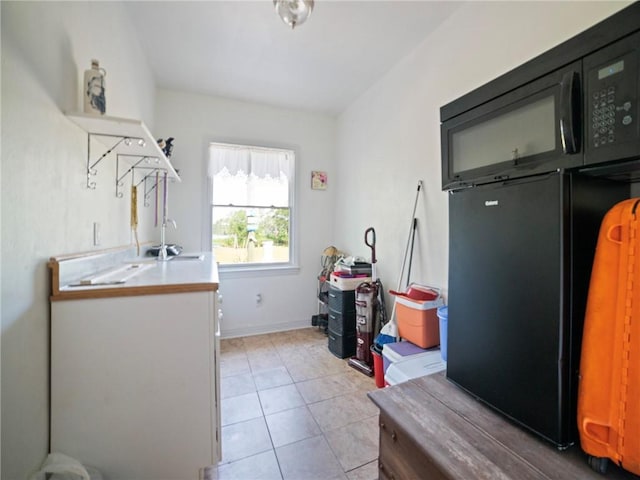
(532, 130)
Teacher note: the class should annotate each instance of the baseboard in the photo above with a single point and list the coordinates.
(262, 329)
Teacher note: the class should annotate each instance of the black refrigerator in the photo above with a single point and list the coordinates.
(520, 257)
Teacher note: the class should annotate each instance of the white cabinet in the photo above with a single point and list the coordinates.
(134, 389)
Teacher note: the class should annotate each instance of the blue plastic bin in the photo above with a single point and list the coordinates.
(443, 316)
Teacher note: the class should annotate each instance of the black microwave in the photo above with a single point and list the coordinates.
(553, 114)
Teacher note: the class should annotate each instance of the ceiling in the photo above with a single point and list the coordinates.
(241, 49)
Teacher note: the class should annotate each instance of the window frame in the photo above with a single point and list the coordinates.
(239, 270)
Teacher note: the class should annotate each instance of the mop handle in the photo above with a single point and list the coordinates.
(413, 237)
(412, 228)
(411, 231)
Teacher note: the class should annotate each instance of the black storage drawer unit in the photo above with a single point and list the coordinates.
(342, 322)
(342, 346)
(342, 301)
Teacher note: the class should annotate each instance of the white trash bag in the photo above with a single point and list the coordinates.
(63, 467)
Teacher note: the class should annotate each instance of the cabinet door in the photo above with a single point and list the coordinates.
(401, 456)
(131, 384)
(217, 406)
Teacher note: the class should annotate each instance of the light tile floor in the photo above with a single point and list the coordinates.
(292, 410)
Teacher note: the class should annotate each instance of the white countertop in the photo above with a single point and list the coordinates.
(112, 274)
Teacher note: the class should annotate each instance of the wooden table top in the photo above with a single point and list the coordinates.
(468, 440)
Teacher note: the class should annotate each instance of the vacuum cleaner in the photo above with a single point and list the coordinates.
(368, 306)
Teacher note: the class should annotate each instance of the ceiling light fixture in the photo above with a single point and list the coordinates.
(293, 12)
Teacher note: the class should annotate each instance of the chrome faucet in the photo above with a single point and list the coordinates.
(162, 254)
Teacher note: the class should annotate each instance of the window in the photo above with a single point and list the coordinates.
(252, 204)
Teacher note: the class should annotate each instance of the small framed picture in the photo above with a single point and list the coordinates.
(319, 180)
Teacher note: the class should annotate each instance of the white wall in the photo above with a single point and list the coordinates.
(46, 207)
(387, 140)
(195, 121)
(390, 137)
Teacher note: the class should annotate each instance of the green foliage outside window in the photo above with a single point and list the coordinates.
(233, 231)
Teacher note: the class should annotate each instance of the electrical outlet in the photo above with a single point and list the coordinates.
(96, 234)
(258, 298)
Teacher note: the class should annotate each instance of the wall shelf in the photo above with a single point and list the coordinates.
(132, 143)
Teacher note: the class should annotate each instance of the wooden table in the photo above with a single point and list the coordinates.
(431, 429)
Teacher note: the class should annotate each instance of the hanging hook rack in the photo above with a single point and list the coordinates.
(132, 167)
(126, 138)
(91, 167)
(145, 179)
(147, 191)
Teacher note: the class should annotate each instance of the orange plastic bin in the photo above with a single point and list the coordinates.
(418, 320)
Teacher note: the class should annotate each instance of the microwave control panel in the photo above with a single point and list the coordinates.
(612, 94)
(612, 102)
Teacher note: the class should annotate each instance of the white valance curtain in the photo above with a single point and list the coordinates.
(250, 176)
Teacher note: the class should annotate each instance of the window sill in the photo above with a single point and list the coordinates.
(252, 271)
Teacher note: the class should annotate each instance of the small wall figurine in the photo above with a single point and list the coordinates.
(94, 89)
(166, 146)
